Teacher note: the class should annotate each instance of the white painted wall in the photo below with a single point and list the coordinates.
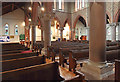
(13, 18)
(38, 34)
(66, 32)
(81, 30)
(108, 32)
(54, 33)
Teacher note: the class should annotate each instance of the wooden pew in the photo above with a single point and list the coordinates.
(18, 55)
(112, 55)
(13, 48)
(112, 48)
(10, 46)
(77, 55)
(22, 62)
(56, 50)
(117, 70)
(64, 53)
(38, 47)
(49, 50)
(44, 72)
(12, 52)
(112, 43)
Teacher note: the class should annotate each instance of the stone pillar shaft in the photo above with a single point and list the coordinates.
(113, 33)
(119, 31)
(47, 33)
(41, 35)
(97, 32)
(61, 33)
(97, 68)
(88, 33)
(33, 35)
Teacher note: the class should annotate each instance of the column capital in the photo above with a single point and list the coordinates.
(113, 24)
(87, 27)
(118, 23)
(27, 27)
(33, 23)
(61, 28)
(72, 29)
(46, 15)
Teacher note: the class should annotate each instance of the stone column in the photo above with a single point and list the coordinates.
(113, 32)
(73, 34)
(27, 34)
(33, 35)
(41, 35)
(47, 32)
(34, 17)
(71, 29)
(97, 68)
(87, 30)
(61, 33)
(119, 31)
(46, 17)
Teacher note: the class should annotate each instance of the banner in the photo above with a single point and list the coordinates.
(4, 38)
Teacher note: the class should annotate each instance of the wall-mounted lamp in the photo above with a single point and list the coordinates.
(23, 23)
(42, 9)
(29, 20)
(30, 8)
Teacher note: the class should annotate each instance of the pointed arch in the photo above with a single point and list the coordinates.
(82, 19)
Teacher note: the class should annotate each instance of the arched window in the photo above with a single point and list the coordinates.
(55, 6)
(16, 29)
(83, 3)
(6, 29)
(79, 4)
(61, 4)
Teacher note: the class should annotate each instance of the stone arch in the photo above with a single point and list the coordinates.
(117, 16)
(68, 32)
(109, 15)
(66, 21)
(76, 20)
(56, 18)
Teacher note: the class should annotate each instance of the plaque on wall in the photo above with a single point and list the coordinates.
(11, 36)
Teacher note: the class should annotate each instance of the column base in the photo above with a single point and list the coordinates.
(95, 71)
(44, 51)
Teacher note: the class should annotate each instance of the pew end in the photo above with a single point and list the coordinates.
(117, 70)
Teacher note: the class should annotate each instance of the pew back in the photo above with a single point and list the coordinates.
(22, 62)
(48, 71)
(17, 55)
(117, 70)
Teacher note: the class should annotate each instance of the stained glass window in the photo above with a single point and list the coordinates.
(6, 29)
(16, 29)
